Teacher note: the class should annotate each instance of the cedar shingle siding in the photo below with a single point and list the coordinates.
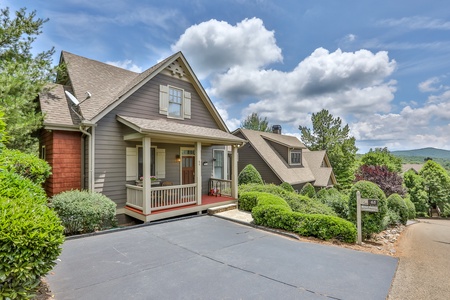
(63, 153)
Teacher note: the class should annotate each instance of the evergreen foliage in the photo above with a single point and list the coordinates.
(436, 183)
(255, 122)
(308, 190)
(396, 203)
(336, 200)
(416, 191)
(249, 175)
(286, 186)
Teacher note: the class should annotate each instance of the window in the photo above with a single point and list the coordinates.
(295, 157)
(141, 164)
(174, 102)
(43, 154)
(219, 166)
(135, 163)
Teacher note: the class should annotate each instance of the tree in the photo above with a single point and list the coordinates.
(328, 134)
(254, 122)
(416, 190)
(22, 76)
(436, 182)
(388, 181)
(382, 157)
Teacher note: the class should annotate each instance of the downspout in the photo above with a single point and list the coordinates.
(91, 157)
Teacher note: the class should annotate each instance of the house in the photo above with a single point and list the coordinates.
(153, 142)
(415, 167)
(281, 158)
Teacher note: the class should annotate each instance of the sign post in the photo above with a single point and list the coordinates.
(369, 205)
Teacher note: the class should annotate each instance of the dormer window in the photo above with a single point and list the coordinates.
(295, 157)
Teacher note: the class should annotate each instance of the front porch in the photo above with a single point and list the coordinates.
(165, 213)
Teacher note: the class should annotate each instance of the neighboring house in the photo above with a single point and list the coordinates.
(415, 167)
(150, 141)
(282, 158)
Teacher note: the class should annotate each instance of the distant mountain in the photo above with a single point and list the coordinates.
(424, 152)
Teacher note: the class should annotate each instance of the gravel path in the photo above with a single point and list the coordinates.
(423, 270)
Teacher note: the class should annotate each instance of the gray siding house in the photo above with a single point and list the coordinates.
(153, 142)
(281, 158)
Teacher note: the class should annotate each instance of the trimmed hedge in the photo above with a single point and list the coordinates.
(83, 211)
(27, 165)
(411, 208)
(396, 203)
(249, 175)
(308, 190)
(337, 201)
(371, 222)
(272, 211)
(298, 203)
(287, 187)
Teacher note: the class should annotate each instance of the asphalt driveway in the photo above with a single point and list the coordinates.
(211, 258)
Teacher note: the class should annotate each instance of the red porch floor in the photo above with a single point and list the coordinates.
(207, 202)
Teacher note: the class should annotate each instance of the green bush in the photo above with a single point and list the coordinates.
(14, 186)
(249, 175)
(411, 208)
(391, 218)
(83, 211)
(371, 222)
(287, 187)
(298, 203)
(336, 200)
(446, 210)
(308, 190)
(30, 239)
(272, 211)
(26, 165)
(247, 200)
(396, 203)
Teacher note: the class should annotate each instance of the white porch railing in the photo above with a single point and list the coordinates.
(162, 197)
(220, 186)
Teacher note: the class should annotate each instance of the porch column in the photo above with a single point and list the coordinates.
(147, 183)
(234, 171)
(198, 172)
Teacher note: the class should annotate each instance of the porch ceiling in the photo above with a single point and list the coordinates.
(176, 132)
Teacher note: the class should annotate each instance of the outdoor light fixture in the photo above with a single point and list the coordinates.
(205, 163)
(177, 158)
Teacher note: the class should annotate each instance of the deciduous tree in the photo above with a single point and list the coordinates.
(390, 182)
(328, 134)
(255, 122)
(382, 157)
(436, 182)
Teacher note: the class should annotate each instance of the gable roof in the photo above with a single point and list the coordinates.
(273, 159)
(109, 86)
(321, 174)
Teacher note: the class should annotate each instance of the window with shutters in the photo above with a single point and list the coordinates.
(135, 163)
(174, 102)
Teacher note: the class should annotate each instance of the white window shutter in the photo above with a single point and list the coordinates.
(187, 105)
(131, 163)
(161, 163)
(163, 99)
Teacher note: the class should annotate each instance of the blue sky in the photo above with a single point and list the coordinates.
(381, 66)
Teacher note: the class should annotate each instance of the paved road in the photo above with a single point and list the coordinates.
(211, 258)
(424, 267)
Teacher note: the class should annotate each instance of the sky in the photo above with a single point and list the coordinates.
(383, 67)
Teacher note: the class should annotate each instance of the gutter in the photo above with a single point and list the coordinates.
(91, 169)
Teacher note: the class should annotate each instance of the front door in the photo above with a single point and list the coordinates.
(187, 170)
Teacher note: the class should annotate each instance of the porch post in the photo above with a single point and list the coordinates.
(147, 183)
(198, 172)
(234, 171)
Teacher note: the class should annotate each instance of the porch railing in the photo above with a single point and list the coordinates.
(162, 197)
(219, 187)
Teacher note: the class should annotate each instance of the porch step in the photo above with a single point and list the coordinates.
(222, 208)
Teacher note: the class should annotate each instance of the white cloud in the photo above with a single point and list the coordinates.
(216, 46)
(432, 85)
(125, 64)
(232, 123)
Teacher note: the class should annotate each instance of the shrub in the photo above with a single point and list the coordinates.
(391, 218)
(287, 187)
(272, 211)
(396, 203)
(334, 199)
(308, 190)
(249, 175)
(83, 211)
(26, 165)
(247, 200)
(30, 239)
(14, 186)
(371, 222)
(297, 202)
(411, 208)
(446, 210)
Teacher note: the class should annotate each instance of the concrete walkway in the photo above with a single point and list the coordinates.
(211, 258)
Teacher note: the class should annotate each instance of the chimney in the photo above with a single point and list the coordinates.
(276, 129)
